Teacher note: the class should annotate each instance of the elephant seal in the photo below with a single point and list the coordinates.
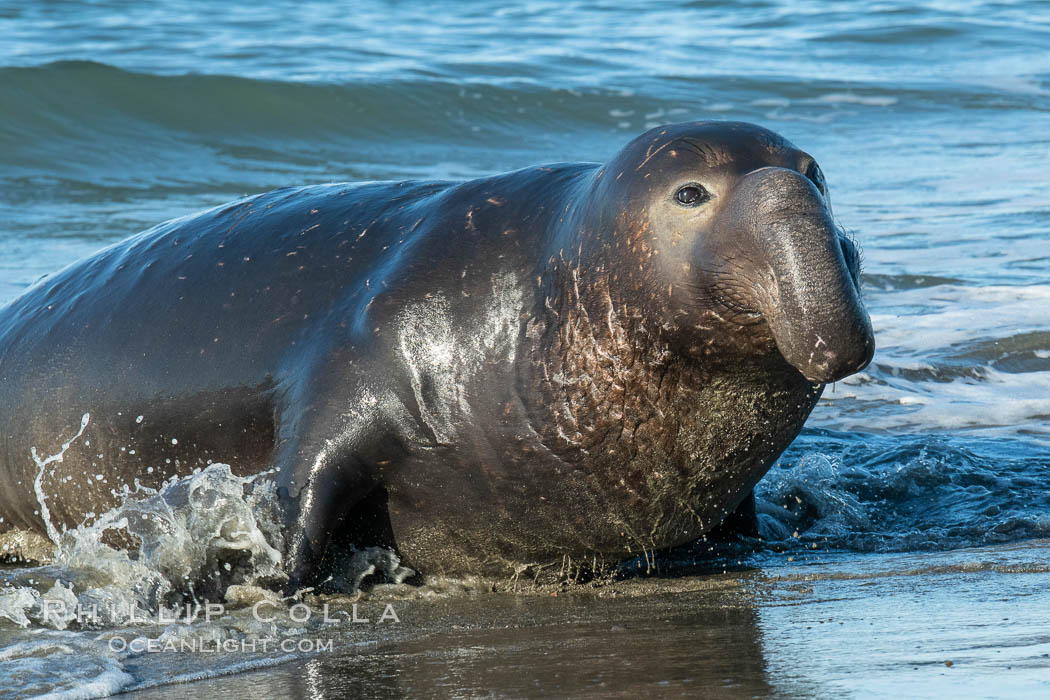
(576, 360)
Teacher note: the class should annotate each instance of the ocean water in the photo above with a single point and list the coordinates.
(931, 121)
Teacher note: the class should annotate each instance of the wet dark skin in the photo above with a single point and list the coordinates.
(577, 361)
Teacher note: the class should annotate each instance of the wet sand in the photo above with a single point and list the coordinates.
(830, 626)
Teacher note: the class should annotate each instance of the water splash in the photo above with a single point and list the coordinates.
(38, 487)
(913, 493)
(189, 540)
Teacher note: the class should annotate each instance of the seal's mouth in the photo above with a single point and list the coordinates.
(733, 300)
(736, 309)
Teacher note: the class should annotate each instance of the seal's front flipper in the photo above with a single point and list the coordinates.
(317, 492)
(741, 522)
(323, 476)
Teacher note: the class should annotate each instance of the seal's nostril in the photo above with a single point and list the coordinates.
(852, 257)
(849, 251)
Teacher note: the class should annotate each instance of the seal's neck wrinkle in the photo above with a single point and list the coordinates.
(596, 358)
(629, 417)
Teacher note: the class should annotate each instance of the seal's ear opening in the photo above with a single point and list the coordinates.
(362, 552)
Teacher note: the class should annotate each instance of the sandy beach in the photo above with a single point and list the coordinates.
(972, 622)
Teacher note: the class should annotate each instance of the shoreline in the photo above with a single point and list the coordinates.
(854, 625)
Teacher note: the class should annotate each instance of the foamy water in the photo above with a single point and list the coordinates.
(197, 581)
(952, 357)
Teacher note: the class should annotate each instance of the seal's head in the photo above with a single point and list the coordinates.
(730, 239)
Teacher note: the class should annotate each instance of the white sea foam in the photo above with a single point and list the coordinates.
(14, 602)
(852, 99)
(85, 673)
(950, 357)
(914, 322)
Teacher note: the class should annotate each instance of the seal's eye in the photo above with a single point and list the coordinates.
(691, 195)
(814, 173)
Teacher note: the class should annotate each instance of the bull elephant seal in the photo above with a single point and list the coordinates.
(577, 360)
